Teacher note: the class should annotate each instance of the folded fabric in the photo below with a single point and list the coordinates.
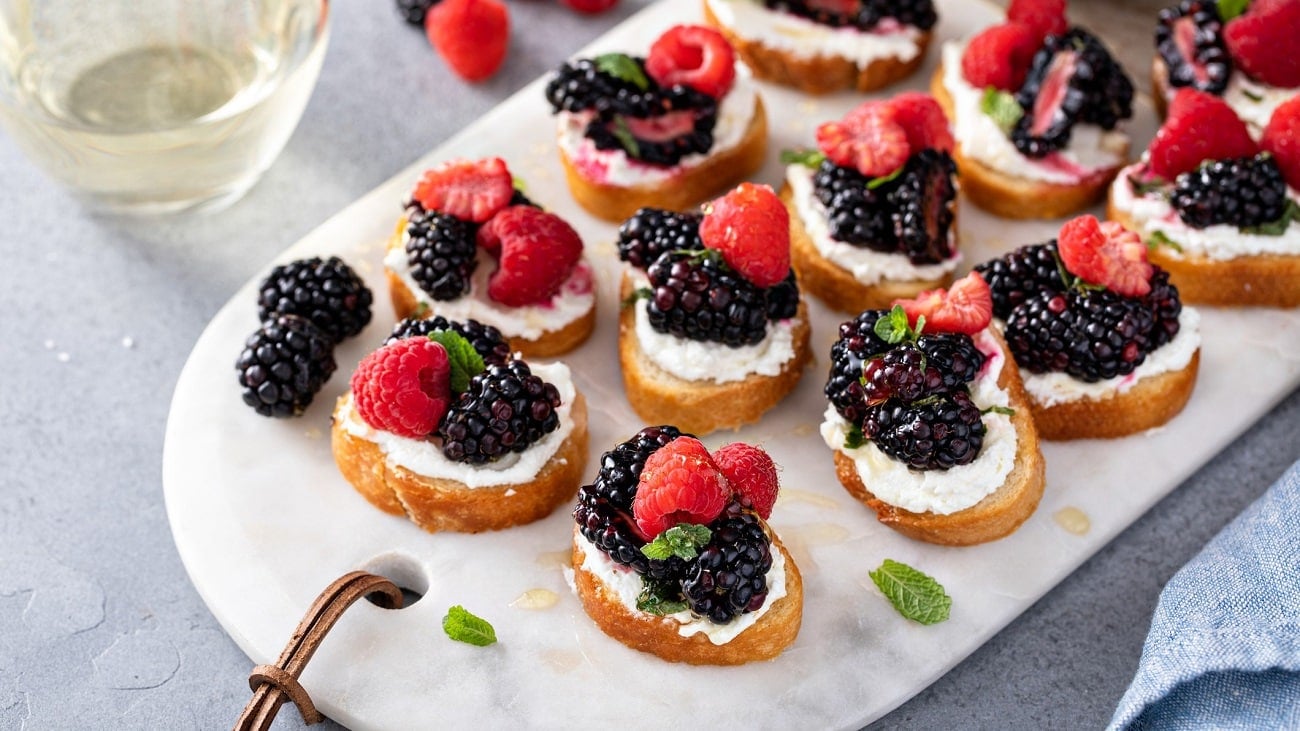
(1224, 647)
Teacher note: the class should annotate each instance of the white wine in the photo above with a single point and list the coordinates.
(159, 127)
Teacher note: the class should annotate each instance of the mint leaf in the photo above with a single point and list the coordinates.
(624, 135)
(1002, 108)
(807, 158)
(683, 541)
(999, 410)
(915, 595)
(893, 328)
(855, 438)
(640, 293)
(1142, 188)
(465, 361)
(885, 179)
(624, 68)
(1158, 238)
(1229, 9)
(1278, 227)
(462, 626)
(1257, 98)
(659, 598)
(518, 184)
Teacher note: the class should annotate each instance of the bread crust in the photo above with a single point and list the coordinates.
(693, 186)
(819, 74)
(1020, 198)
(1159, 85)
(836, 286)
(549, 344)
(437, 504)
(700, 407)
(1262, 280)
(765, 639)
(999, 513)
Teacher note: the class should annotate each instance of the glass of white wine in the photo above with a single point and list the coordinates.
(157, 106)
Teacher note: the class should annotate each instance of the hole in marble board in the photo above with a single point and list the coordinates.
(402, 570)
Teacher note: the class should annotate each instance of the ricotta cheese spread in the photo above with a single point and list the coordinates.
(867, 266)
(941, 491)
(1152, 213)
(1091, 149)
(627, 585)
(804, 39)
(1054, 388)
(425, 458)
(614, 167)
(574, 300)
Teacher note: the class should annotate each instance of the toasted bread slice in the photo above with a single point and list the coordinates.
(1264, 280)
(699, 407)
(765, 639)
(437, 504)
(819, 74)
(1009, 196)
(994, 517)
(693, 186)
(836, 286)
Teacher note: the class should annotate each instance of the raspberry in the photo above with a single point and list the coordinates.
(404, 388)
(965, 307)
(1265, 42)
(469, 190)
(590, 7)
(539, 250)
(470, 35)
(1000, 56)
(1282, 138)
(750, 226)
(1199, 127)
(868, 139)
(752, 473)
(693, 56)
(1107, 254)
(1045, 17)
(679, 484)
(923, 121)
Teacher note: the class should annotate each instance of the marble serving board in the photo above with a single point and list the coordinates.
(263, 521)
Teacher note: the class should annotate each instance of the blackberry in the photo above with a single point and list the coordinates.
(1095, 90)
(505, 409)
(783, 298)
(1195, 27)
(866, 16)
(697, 296)
(901, 373)
(441, 252)
(1090, 334)
(919, 13)
(518, 198)
(327, 292)
(1165, 306)
(652, 231)
(414, 11)
(1241, 192)
(488, 341)
(921, 207)
(953, 355)
(613, 130)
(284, 364)
(855, 214)
(578, 86)
(1021, 274)
(729, 576)
(937, 432)
(857, 343)
(604, 511)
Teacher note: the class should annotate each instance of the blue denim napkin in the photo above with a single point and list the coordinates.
(1224, 646)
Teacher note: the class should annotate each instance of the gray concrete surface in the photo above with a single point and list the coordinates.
(99, 625)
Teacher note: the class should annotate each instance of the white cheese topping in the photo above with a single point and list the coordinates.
(940, 491)
(1152, 213)
(425, 458)
(867, 266)
(1091, 149)
(1054, 388)
(804, 39)
(627, 585)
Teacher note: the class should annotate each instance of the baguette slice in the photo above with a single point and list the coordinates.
(694, 185)
(699, 407)
(437, 504)
(1264, 280)
(766, 639)
(836, 286)
(994, 517)
(819, 74)
(1009, 196)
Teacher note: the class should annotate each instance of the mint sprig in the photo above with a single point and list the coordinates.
(683, 541)
(624, 68)
(464, 360)
(885, 179)
(854, 438)
(1002, 108)
(462, 626)
(807, 158)
(1158, 239)
(1276, 228)
(914, 594)
(1143, 188)
(1229, 9)
(624, 135)
(1004, 410)
(660, 598)
(894, 327)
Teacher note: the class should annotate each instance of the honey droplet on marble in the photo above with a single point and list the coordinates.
(536, 599)
(788, 495)
(819, 534)
(555, 559)
(1073, 520)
